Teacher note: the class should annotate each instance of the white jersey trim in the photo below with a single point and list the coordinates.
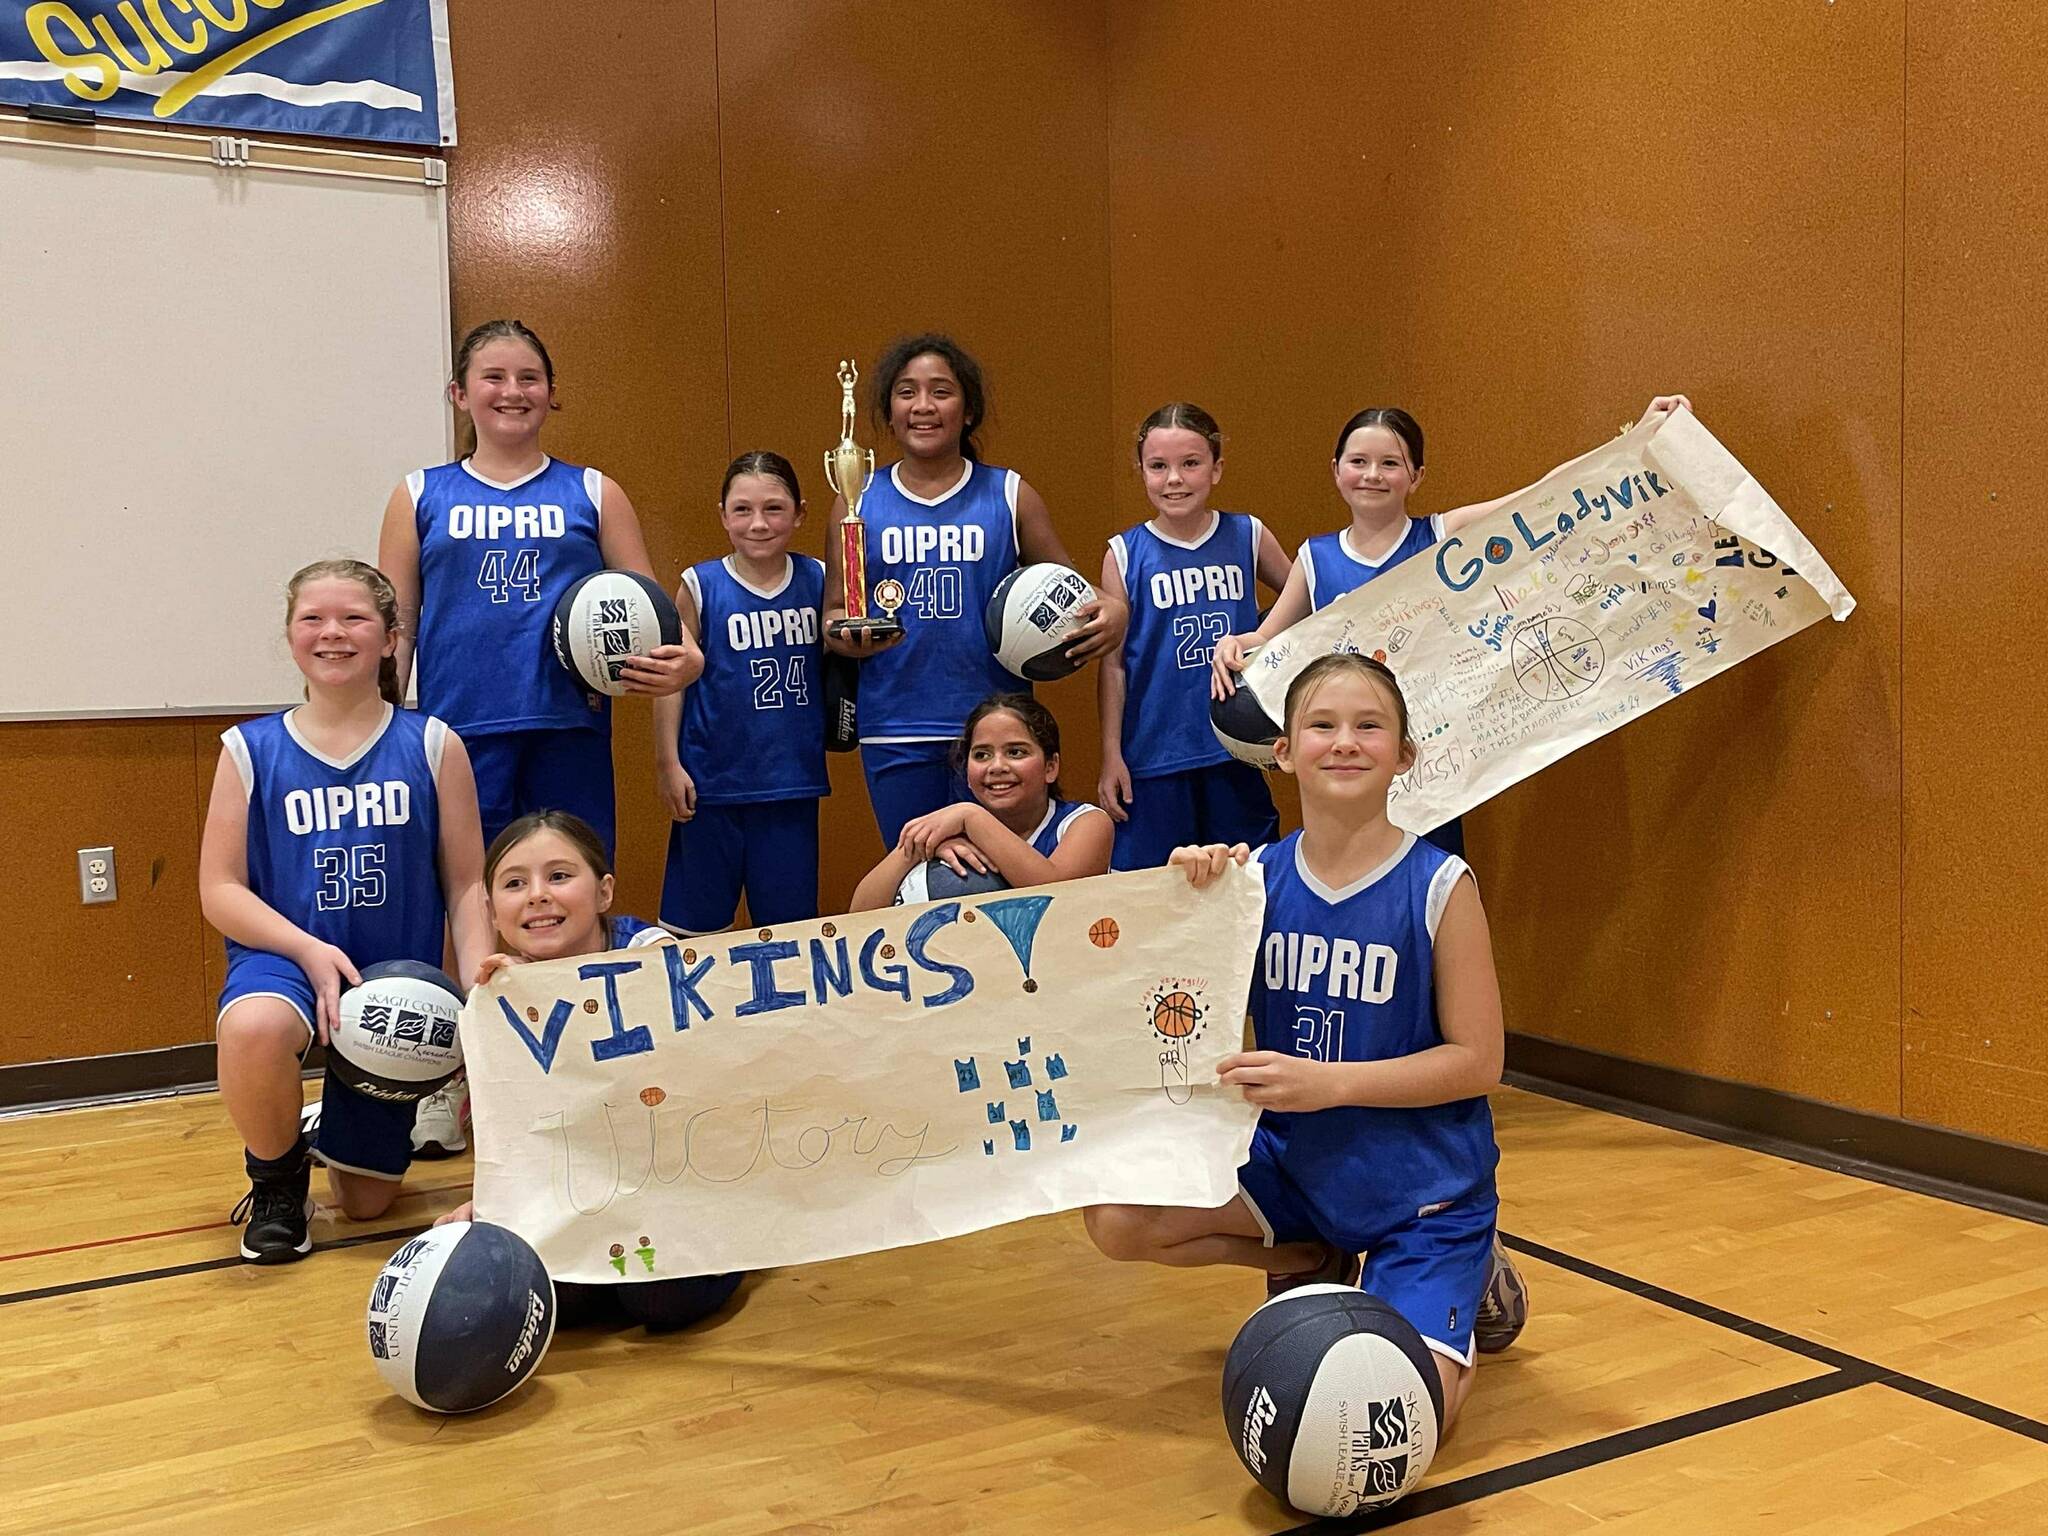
(1011, 481)
(1208, 533)
(291, 729)
(1440, 886)
(1122, 557)
(469, 469)
(1370, 878)
(696, 587)
(654, 933)
(1305, 561)
(593, 487)
(436, 743)
(416, 487)
(238, 749)
(966, 474)
(1072, 816)
(764, 593)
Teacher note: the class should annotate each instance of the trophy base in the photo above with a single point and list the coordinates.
(867, 628)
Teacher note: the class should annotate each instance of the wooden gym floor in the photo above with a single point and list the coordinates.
(1721, 1341)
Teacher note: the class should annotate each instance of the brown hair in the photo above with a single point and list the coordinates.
(1181, 414)
(581, 835)
(1312, 675)
(1037, 719)
(378, 585)
(502, 330)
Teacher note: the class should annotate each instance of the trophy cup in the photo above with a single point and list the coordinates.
(848, 469)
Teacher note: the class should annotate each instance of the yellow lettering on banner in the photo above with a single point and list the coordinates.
(196, 43)
(39, 19)
(156, 58)
(234, 21)
(173, 100)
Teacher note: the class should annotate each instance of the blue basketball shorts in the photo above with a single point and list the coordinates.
(908, 779)
(768, 849)
(518, 772)
(1216, 803)
(1432, 1269)
(357, 1134)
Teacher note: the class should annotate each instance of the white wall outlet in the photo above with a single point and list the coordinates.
(95, 875)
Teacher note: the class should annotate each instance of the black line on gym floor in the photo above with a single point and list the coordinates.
(232, 1261)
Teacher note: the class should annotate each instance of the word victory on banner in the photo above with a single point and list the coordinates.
(1621, 580)
(352, 69)
(829, 1088)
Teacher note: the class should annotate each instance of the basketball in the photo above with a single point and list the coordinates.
(606, 619)
(396, 1039)
(460, 1316)
(936, 880)
(1103, 932)
(1332, 1400)
(1174, 1015)
(1031, 615)
(1245, 729)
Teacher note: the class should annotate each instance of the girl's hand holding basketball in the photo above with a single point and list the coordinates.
(1113, 789)
(1101, 629)
(665, 669)
(327, 968)
(923, 835)
(1204, 864)
(1225, 662)
(490, 965)
(1273, 1080)
(961, 856)
(678, 791)
(463, 1212)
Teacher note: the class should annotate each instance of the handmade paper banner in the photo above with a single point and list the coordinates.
(829, 1088)
(1621, 580)
(354, 69)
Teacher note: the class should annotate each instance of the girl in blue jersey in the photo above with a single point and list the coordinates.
(1191, 576)
(946, 529)
(1016, 825)
(341, 833)
(481, 551)
(549, 885)
(1377, 1019)
(740, 758)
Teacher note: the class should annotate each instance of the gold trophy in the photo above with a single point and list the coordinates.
(848, 469)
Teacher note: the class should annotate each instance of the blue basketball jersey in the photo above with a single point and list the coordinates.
(754, 724)
(1334, 567)
(1348, 975)
(494, 561)
(1051, 831)
(1184, 598)
(633, 932)
(949, 554)
(348, 850)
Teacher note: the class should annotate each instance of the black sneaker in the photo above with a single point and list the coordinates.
(278, 1212)
(1504, 1307)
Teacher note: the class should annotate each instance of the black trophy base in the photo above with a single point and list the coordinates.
(868, 629)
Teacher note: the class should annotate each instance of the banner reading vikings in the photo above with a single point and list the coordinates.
(828, 1088)
(1619, 581)
(350, 69)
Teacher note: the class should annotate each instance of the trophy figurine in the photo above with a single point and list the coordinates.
(848, 469)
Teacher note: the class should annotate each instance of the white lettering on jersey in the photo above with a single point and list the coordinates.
(920, 542)
(343, 805)
(1197, 584)
(1308, 962)
(524, 522)
(768, 627)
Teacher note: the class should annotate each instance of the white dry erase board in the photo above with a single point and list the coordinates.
(219, 356)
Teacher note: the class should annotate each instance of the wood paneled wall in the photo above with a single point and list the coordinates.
(1519, 221)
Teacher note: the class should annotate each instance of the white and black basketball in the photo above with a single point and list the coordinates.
(608, 618)
(1332, 1400)
(396, 1039)
(460, 1316)
(1245, 729)
(936, 880)
(1030, 617)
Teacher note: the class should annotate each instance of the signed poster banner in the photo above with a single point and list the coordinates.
(1621, 580)
(799, 1093)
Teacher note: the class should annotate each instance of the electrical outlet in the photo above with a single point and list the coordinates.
(95, 875)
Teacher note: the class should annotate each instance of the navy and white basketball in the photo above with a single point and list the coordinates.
(1245, 729)
(1332, 1400)
(460, 1316)
(396, 1037)
(1030, 617)
(605, 620)
(936, 880)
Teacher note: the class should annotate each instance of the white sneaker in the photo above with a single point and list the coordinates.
(440, 1126)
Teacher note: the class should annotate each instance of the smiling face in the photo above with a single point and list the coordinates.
(505, 391)
(1179, 469)
(546, 900)
(927, 410)
(759, 516)
(338, 637)
(1008, 771)
(1374, 473)
(1346, 744)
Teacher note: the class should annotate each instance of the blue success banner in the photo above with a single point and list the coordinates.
(349, 69)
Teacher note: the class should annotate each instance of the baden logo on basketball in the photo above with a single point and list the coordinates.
(1257, 1416)
(536, 1317)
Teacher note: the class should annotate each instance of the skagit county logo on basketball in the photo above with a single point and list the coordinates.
(1381, 1451)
